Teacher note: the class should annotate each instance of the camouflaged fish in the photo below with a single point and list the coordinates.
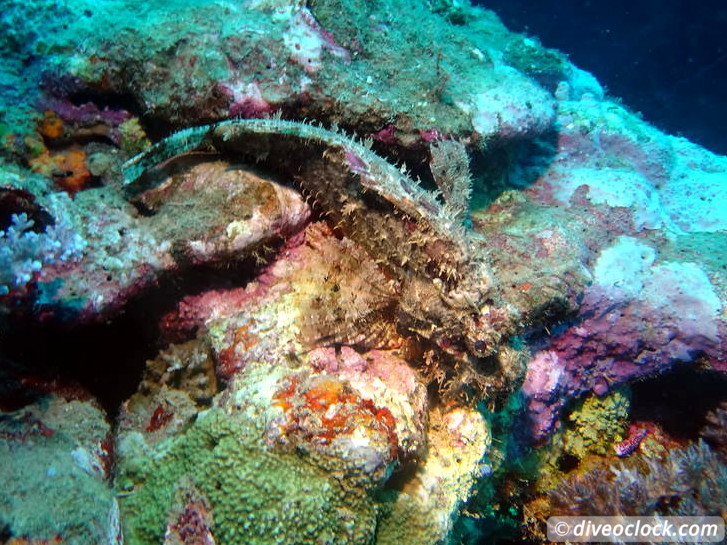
(414, 235)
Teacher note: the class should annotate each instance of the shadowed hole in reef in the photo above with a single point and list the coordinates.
(679, 400)
(106, 358)
(568, 462)
(106, 100)
(514, 166)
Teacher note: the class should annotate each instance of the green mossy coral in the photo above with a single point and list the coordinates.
(258, 496)
(406, 521)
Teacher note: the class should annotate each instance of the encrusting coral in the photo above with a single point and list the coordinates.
(336, 436)
(350, 407)
(224, 458)
(56, 466)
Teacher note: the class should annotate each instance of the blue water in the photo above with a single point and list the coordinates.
(665, 58)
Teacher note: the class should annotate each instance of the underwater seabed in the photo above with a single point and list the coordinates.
(343, 272)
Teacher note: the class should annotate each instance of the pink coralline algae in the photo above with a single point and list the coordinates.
(638, 319)
(247, 98)
(88, 119)
(385, 135)
(430, 135)
(307, 40)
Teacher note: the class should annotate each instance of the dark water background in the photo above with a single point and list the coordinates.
(665, 58)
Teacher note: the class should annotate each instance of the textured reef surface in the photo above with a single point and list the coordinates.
(343, 272)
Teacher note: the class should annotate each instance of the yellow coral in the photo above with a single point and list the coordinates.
(133, 137)
(597, 423)
(423, 511)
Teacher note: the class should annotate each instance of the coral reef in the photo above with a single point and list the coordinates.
(100, 253)
(334, 439)
(676, 301)
(223, 457)
(391, 286)
(353, 413)
(445, 288)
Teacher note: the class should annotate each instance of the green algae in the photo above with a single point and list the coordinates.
(419, 61)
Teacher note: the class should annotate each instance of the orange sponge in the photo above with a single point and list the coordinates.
(72, 175)
(51, 126)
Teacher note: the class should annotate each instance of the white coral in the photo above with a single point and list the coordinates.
(24, 252)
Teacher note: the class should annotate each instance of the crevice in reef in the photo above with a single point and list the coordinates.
(679, 400)
(108, 358)
(112, 101)
(512, 166)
